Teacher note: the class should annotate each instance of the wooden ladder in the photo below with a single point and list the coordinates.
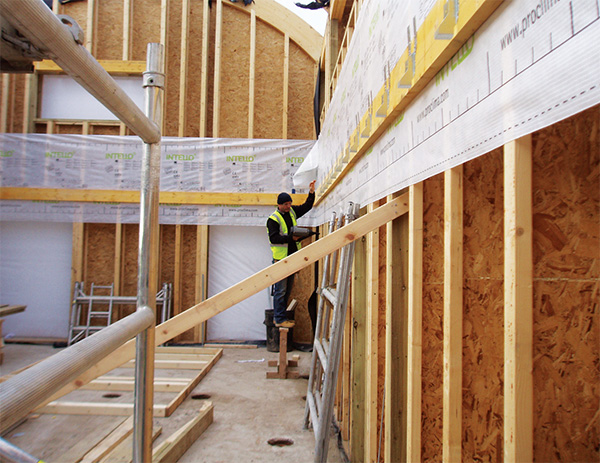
(329, 331)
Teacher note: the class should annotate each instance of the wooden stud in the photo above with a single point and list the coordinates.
(118, 261)
(372, 327)
(518, 301)
(91, 26)
(109, 443)
(286, 84)
(415, 321)
(4, 106)
(252, 72)
(204, 71)
(217, 71)
(122, 453)
(95, 408)
(126, 29)
(358, 373)
(201, 287)
(113, 67)
(395, 312)
(177, 283)
(246, 288)
(183, 67)
(453, 302)
(30, 101)
(173, 448)
(346, 376)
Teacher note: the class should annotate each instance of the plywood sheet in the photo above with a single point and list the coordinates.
(483, 314)
(100, 252)
(145, 27)
(566, 243)
(433, 291)
(188, 275)
(301, 91)
(194, 69)
(235, 67)
(108, 39)
(268, 93)
(172, 70)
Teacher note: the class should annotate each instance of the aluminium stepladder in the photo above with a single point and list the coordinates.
(329, 331)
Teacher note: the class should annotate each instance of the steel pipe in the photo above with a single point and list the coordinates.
(22, 393)
(34, 20)
(10, 453)
(150, 183)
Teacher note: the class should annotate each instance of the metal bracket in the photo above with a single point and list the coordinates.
(74, 29)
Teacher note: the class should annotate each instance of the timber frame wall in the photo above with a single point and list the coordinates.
(231, 72)
(474, 327)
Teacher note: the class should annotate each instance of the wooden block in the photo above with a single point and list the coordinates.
(11, 309)
(178, 443)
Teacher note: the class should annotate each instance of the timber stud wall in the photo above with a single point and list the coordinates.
(529, 320)
(231, 71)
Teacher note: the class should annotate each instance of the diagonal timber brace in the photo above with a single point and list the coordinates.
(248, 287)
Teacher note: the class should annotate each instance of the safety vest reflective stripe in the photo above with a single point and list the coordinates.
(280, 251)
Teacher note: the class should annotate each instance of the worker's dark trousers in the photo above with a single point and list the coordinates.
(281, 294)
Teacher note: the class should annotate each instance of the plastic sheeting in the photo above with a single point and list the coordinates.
(114, 163)
(530, 65)
(235, 253)
(35, 270)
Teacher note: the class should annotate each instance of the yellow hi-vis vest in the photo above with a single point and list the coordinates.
(280, 251)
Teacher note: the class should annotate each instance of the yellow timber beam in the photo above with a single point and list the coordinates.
(113, 67)
(120, 196)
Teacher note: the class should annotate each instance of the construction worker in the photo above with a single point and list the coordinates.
(283, 244)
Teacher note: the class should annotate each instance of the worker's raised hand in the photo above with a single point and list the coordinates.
(312, 186)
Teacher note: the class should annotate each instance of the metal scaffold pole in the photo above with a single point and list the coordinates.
(144, 366)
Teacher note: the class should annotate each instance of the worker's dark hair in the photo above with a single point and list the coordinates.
(283, 198)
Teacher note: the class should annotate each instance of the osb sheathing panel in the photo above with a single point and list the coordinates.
(71, 129)
(100, 252)
(566, 248)
(194, 71)
(433, 316)
(188, 274)
(108, 40)
(104, 130)
(235, 72)
(16, 100)
(130, 264)
(145, 27)
(172, 70)
(483, 312)
(300, 97)
(304, 285)
(268, 91)
(167, 257)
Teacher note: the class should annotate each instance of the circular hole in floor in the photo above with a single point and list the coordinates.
(200, 396)
(111, 395)
(280, 441)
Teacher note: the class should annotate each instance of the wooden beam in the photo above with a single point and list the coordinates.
(4, 106)
(248, 287)
(107, 383)
(30, 101)
(126, 29)
(133, 196)
(201, 287)
(286, 85)
(359, 324)
(217, 71)
(91, 26)
(395, 337)
(183, 66)
(177, 283)
(123, 67)
(518, 301)
(372, 334)
(252, 72)
(173, 448)
(415, 322)
(204, 68)
(108, 444)
(453, 302)
(95, 408)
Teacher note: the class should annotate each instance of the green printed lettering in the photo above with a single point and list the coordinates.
(120, 155)
(181, 157)
(59, 154)
(294, 160)
(6, 154)
(240, 158)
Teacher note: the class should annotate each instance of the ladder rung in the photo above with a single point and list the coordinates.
(330, 294)
(322, 354)
(100, 314)
(314, 418)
